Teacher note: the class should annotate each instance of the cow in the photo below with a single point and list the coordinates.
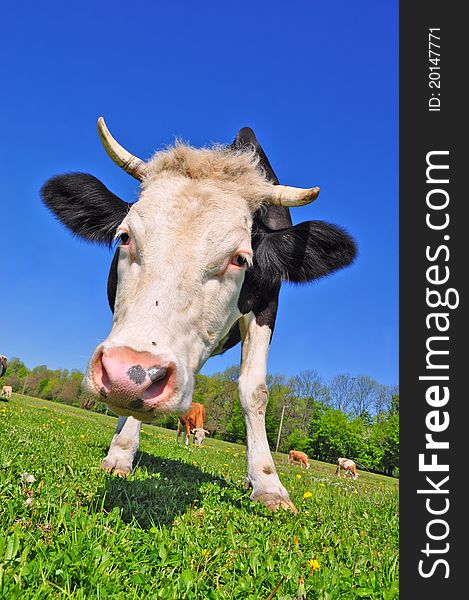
(6, 391)
(297, 456)
(349, 466)
(3, 364)
(193, 422)
(200, 261)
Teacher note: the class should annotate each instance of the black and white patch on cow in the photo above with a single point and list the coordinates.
(201, 258)
(3, 364)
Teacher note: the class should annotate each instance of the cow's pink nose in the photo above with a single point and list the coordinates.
(131, 379)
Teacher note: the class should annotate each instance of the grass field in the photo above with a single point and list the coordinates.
(182, 525)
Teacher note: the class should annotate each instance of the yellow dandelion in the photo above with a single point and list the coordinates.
(313, 565)
(205, 552)
(298, 476)
(296, 541)
(307, 495)
(82, 437)
(226, 465)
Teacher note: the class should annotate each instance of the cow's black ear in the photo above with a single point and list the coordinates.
(303, 252)
(112, 281)
(247, 138)
(85, 205)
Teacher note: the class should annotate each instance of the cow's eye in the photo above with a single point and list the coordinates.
(240, 261)
(124, 239)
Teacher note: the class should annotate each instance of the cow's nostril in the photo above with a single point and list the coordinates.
(157, 373)
(137, 374)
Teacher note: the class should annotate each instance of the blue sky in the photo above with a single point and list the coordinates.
(318, 83)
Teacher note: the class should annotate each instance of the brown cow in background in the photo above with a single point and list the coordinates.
(193, 422)
(297, 456)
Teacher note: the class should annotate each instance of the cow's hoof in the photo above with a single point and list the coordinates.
(274, 501)
(113, 467)
(121, 472)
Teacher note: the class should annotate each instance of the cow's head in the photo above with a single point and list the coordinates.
(199, 434)
(184, 249)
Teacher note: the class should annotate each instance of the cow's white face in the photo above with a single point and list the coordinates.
(184, 248)
(199, 435)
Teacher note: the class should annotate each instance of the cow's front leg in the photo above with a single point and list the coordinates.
(123, 447)
(253, 392)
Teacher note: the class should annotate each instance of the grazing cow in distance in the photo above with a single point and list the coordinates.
(349, 466)
(200, 261)
(193, 422)
(6, 391)
(297, 456)
(3, 364)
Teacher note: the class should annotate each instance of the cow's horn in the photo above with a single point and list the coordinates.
(284, 195)
(131, 164)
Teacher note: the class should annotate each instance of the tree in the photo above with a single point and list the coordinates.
(280, 396)
(394, 408)
(218, 393)
(383, 399)
(329, 435)
(365, 392)
(359, 431)
(391, 447)
(341, 388)
(37, 380)
(70, 389)
(308, 389)
(307, 384)
(297, 440)
(236, 426)
(16, 374)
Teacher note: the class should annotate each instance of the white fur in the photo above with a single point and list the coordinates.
(123, 447)
(261, 472)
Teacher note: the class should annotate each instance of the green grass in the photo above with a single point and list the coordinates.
(182, 525)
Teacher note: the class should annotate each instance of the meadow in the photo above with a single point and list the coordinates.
(182, 525)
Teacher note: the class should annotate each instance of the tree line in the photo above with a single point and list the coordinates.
(351, 416)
